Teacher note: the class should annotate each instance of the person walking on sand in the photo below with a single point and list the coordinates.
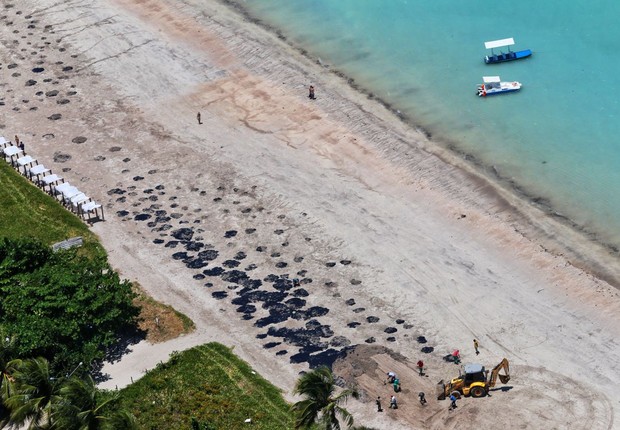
(476, 346)
(421, 367)
(422, 397)
(311, 93)
(393, 404)
(453, 404)
(378, 402)
(198, 117)
(19, 144)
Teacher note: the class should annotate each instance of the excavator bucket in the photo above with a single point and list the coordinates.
(503, 365)
(441, 390)
(504, 378)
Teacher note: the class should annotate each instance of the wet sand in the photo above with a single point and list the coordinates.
(296, 229)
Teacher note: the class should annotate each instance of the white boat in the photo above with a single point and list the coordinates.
(493, 85)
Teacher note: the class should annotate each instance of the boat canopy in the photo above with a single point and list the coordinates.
(497, 43)
(490, 79)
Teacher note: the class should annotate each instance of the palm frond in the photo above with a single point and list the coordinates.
(32, 393)
(345, 415)
(344, 395)
(306, 412)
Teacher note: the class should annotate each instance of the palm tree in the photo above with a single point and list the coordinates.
(82, 407)
(8, 365)
(321, 405)
(32, 394)
(31, 398)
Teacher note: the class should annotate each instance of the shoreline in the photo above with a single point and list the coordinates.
(525, 204)
(390, 244)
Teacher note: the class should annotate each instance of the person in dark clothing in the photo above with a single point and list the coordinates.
(311, 92)
(378, 402)
(422, 398)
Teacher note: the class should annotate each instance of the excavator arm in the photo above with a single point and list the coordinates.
(495, 373)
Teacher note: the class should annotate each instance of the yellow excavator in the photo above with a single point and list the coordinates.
(474, 382)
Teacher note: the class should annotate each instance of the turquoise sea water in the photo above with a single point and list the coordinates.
(558, 138)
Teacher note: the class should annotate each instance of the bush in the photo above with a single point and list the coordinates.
(62, 306)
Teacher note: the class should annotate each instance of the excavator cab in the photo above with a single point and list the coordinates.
(474, 373)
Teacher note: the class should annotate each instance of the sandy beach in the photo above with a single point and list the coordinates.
(292, 229)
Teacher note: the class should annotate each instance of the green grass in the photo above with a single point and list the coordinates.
(209, 383)
(26, 211)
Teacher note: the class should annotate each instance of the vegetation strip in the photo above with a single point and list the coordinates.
(210, 384)
(28, 212)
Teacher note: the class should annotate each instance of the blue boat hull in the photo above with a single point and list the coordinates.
(510, 56)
